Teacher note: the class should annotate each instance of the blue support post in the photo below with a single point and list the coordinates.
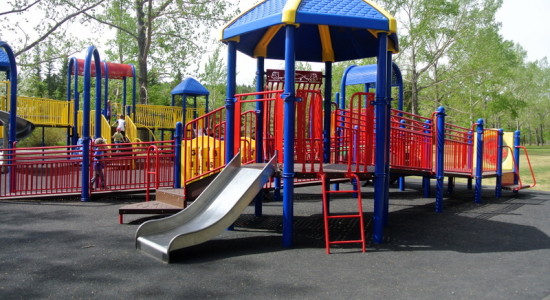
(134, 87)
(73, 67)
(440, 158)
(450, 185)
(500, 143)
(289, 98)
(479, 161)
(260, 74)
(387, 86)
(91, 52)
(13, 94)
(177, 155)
(106, 89)
(517, 142)
(230, 100)
(381, 154)
(12, 74)
(123, 95)
(184, 107)
(327, 112)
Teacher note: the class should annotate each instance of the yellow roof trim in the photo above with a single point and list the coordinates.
(261, 47)
(235, 19)
(289, 11)
(326, 43)
(391, 19)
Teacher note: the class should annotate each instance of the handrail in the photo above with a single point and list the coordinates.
(516, 169)
(529, 163)
(155, 172)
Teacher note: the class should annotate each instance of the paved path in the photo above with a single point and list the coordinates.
(61, 249)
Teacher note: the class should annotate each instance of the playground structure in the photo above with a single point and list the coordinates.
(315, 140)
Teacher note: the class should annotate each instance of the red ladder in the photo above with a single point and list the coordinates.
(327, 216)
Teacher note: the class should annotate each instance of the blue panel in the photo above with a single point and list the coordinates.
(347, 8)
(264, 15)
(362, 75)
(352, 13)
(190, 87)
(4, 61)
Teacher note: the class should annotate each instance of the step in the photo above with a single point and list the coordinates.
(172, 197)
(515, 187)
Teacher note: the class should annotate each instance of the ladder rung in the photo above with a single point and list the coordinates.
(341, 192)
(343, 216)
(345, 242)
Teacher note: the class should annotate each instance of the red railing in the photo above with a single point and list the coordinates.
(459, 143)
(40, 171)
(58, 170)
(125, 165)
(411, 141)
(353, 140)
(490, 150)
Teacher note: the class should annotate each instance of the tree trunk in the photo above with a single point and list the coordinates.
(142, 51)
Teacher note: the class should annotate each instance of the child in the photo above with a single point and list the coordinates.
(118, 138)
(121, 124)
(99, 165)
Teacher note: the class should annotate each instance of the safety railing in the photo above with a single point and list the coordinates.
(40, 171)
(490, 150)
(459, 147)
(161, 116)
(56, 170)
(46, 112)
(203, 146)
(352, 143)
(125, 164)
(411, 141)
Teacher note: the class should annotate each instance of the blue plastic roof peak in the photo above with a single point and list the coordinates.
(190, 87)
(348, 27)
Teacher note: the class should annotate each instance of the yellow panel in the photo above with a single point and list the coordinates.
(261, 47)
(326, 42)
(508, 161)
(391, 19)
(289, 11)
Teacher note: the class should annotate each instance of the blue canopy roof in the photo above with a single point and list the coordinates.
(190, 87)
(4, 61)
(367, 74)
(328, 30)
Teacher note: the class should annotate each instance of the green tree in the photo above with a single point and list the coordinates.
(429, 30)
(162, 36)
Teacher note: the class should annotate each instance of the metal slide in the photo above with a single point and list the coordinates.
(219, 206)
(22, 127)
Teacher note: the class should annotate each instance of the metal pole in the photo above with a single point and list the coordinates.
(92, 51)
(440, 158)
(177, 155)
(381, 154)
(260, 74)
(328, 112)
(289, 98)
(500, 142)
(230, 100)
(479, 161)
